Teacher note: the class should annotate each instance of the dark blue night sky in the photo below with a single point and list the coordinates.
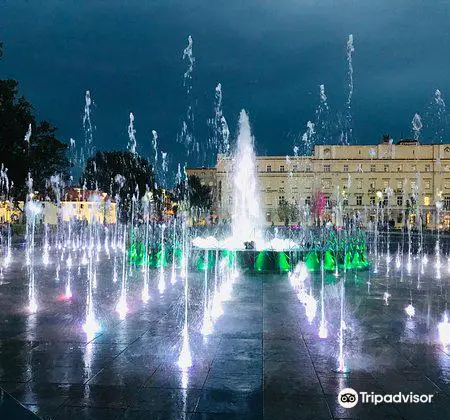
(270, 57)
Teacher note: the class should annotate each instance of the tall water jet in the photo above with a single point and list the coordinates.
(132, 135)
(219, 140)
(247, 218)
(87, 126)
(416, 126)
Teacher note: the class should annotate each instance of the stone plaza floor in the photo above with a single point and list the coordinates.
(264, 359)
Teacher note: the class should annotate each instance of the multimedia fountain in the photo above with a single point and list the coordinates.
(105, 275)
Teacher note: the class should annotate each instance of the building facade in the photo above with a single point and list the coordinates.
(396, 178)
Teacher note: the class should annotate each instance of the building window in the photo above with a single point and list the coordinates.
(345, 202)
(372, 183)
(308, 169)
(308, 201)
(399, 184)
(359, 200)
(327, 168)
(373, 168)
(427, 167)
(386, 168)
(385, 183)
(281, 168)
(400, 200)
(385, 201)
(294, 168)
(426, 200)
(359, 184)
(230, 199)
(268, 217)
(399, 168)
(372, 200)
(280, 199)
(345, 168)
(327, 202)
(413, 168)
(269, 168)
(427, 184)
(326, 183)
(447, 202)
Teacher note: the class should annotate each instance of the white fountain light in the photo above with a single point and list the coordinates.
(68, 292)
(323, 331)
(444, 330)
(185, 360)
(310, 308)
(410, 310)
(122, 307)
(386, 297)
(205, 243)
(299, 275)
(32, 307)
(145, 294)
(207, 327)
(91, 326)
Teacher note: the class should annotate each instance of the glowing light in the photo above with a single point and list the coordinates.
(91, 326)
(217, 309)
(208, 326)
(68, 292)
(323, 331)
(161, 283)
(121, 307)
(205, 243)
(45, 257)
(185, 360)
(145, 294)
(341, 367)
(32, 307)
(410, 310)
(444, 330)
(409, 266)
(310, 308)
(299, 275)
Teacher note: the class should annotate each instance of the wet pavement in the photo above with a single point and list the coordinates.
(264, 358)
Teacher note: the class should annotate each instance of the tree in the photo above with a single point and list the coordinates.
(287, 212)
(199, 195)
(120, 173)
(43, 155)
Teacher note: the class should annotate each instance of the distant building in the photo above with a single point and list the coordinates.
(83, 205)
(360, 178)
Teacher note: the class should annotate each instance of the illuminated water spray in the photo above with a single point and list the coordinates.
(247, 217)
(173, 277)
(207, 326)
(121, 307)
(323, 331)
(185, 359)
(162, 281)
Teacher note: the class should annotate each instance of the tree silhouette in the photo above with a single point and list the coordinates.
(43, 155)
(122, 174)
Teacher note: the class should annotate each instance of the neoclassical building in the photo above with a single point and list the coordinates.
(392, 176)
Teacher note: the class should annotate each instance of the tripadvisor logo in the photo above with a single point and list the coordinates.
(348, 398)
